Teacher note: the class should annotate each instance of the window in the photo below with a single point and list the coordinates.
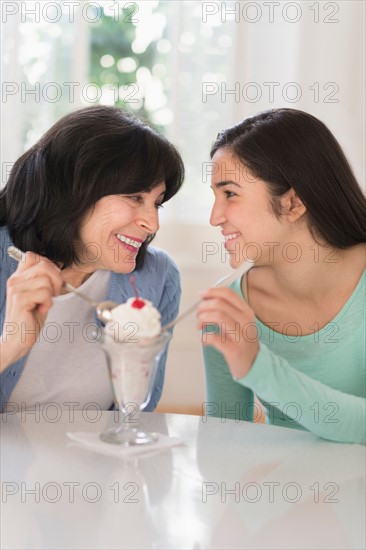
(191, 68)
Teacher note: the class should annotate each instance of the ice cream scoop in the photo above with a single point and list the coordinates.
(136, 318)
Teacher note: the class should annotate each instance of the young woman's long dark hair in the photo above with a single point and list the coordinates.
(287, 149)
(86, 155)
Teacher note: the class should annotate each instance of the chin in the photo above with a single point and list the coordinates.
(233, 261)
(127, 269)
(121, 267)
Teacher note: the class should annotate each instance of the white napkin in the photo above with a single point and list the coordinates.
(92, 441)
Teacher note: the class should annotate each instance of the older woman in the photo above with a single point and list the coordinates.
(83, 204)
(293, 330)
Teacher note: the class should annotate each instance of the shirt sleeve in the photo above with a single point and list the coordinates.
(326, 412)
(225, 397)
(168, 307)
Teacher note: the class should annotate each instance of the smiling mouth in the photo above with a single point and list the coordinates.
(129, 242)
(231, 236)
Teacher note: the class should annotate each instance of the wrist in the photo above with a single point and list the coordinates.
(242, 367)
(4, 360)
(7, 357)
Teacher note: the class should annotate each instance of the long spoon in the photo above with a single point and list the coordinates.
(223, 282)
(103, 309)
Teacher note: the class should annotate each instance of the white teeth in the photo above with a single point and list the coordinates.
(131, 242)
(231, 236)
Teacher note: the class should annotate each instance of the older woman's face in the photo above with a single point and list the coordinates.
(117, 226)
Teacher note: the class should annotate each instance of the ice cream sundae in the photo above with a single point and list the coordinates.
(133, 342)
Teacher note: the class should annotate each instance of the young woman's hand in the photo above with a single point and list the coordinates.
(237, 338)
(29, 295)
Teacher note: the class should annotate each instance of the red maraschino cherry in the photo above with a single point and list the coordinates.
(137, 303)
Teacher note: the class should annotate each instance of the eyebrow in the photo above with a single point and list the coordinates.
(220, 184)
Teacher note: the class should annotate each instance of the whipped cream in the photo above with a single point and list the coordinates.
(137, 318)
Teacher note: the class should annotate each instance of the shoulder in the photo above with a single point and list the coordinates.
(238, 284)
(4, 237)
(160, 268)
(159, 260)
(162, 273)
(7, 265)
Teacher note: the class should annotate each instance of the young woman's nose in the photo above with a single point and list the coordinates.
(217, 214)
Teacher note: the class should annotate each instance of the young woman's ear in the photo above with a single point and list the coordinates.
(292, 206)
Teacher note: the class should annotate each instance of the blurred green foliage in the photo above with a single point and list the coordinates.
(114, 37)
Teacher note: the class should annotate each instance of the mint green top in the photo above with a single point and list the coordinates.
(314, 382)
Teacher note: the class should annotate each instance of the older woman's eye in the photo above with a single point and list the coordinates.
(135, 198)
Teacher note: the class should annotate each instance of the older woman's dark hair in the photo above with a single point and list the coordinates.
(287, 149)
(86, 155)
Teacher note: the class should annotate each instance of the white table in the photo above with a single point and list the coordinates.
(284, 488)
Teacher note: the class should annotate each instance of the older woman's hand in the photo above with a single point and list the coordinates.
(28, 298)
(237, 338)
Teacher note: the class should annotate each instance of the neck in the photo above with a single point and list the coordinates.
(312, 272)
(75, 276)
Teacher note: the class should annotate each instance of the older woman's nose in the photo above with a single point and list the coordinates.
(149, 220)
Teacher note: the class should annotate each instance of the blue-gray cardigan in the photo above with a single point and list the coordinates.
(158, 281)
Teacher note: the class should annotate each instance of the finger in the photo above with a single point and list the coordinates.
(42, 268)
(28, 260)
(235, 328)
(220, 311)
(21, 283)
(28, 301)
(44, 308)
(32, 259)
(215, 305)
(219, 322)
(223, 345)
(217, 319)
(226, 294)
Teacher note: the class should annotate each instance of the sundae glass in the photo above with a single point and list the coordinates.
(133, 360)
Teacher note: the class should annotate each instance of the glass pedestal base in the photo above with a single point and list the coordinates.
(130, 437)
(132, 369)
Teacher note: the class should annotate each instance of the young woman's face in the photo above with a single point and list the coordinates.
(117, 226)
(243, 211)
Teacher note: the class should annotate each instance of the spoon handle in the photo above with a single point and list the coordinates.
(18, 255)
(15, 253)
(80, 294)
(224, 281)
(181, 316)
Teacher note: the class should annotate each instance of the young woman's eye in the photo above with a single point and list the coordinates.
(159, 205)
(229, 194)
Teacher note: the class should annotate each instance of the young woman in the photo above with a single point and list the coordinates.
(83, 203)
(292, 332)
